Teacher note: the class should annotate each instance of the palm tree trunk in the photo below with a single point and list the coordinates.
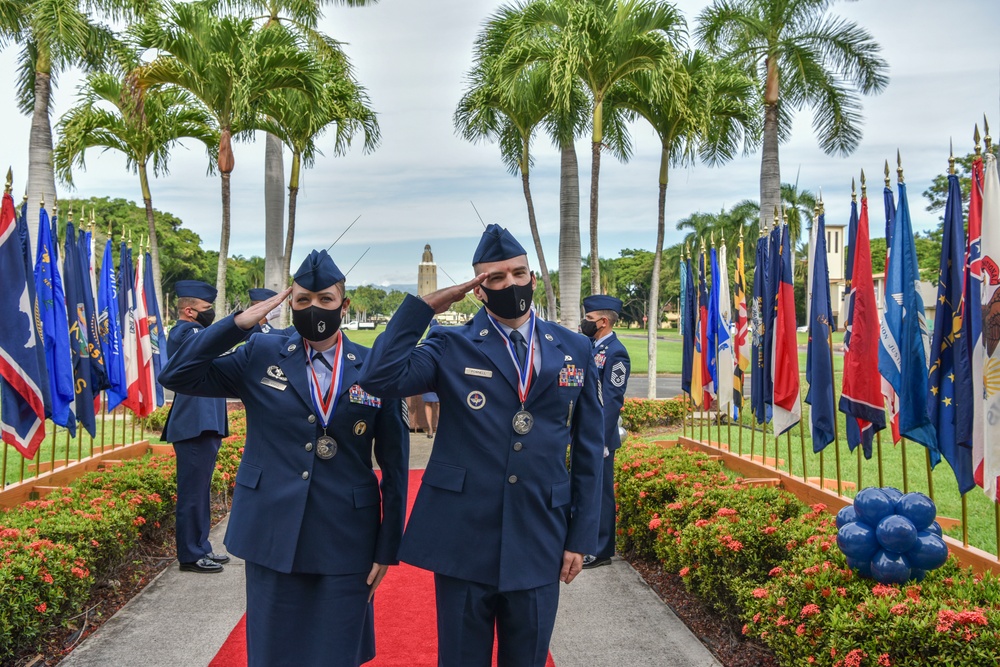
(41, 185)
(154, 244)
(770, 172)
(653, 314)
(274, 213)
(550, 295)
(569, 237)
(220, 280)
(595, 262)
(293, 193)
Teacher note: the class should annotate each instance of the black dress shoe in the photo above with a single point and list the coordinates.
(218, 558)
(203, 565)
(593, 561)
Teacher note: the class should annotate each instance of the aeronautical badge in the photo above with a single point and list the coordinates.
(600, 358)
(571, 376)
(362, 397)
(619, 374)
(476, 400)
(276, 373)
(360, 427)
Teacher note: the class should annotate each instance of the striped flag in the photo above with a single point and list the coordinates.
(129, 330)
(861, 395)
(990, 300)
(819, 363)
(888, 392)
(725, 359)
(701, 381)
(973, 322)
(144, 349)
(742, 343)
(787, 403)
(22, 405)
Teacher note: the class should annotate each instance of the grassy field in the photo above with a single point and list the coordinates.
(868, 472)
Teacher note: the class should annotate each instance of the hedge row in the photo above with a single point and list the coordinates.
(55, 550)
(760, 556)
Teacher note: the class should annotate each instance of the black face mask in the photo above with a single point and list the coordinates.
(315, 323)
(588, 328)
(509, 303)
(205, 317)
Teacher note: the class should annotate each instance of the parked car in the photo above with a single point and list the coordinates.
(355, 325)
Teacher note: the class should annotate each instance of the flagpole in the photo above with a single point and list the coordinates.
(802, 441)
(52, 454)
(906, 477)
(753, 432)
(965, 525)
(878, 445)
(104, 421)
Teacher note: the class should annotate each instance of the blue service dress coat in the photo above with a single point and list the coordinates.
(614, 367)
(292, 511)
(496, 507)
(190, 416)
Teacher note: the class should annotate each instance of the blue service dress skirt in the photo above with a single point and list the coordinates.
(308, 619)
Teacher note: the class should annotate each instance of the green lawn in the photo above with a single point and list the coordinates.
(981, 517)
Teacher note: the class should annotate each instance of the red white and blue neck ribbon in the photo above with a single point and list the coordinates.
(524, 374)
(325, 404)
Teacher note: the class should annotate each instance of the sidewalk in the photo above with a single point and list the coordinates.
(607, 616)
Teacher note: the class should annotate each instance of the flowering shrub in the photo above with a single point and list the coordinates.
(230, 453)
(759, 555)
(641, 413)
(54, 550)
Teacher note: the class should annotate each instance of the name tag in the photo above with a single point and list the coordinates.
(273, 384)
(478, 372)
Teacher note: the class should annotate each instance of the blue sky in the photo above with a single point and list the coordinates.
(416, 188)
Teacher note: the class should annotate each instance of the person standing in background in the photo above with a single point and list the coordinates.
(257, 295)
(196, 427)
(613, 366)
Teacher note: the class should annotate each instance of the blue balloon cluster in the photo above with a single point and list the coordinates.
(890, 536)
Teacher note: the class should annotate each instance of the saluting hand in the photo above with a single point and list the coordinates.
(572, 566)
(255, 313)
(442, 299)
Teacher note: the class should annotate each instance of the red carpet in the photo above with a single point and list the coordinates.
(405, 620)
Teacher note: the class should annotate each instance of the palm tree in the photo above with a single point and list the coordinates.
(508, 112)
(302, 18)
(708, 119)
(54, 36)
(800, 56)
(294, 120)
(599, 42)
(115, 113)
(232, 69)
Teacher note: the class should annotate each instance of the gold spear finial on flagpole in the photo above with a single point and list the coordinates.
(951, 156)
(784, 215)
(110, 224)
(777, 216)
(93, 220)
(975, 136)
(123, 234)
(41, 202)
(854, 192)
(899, 166)
(820, 205)
(130, 239)
(887, 173)
(55, 208)
(987, 140)
(713, 237)
(864, 186)
(10, 181)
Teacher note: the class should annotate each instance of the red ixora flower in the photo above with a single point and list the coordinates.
(655, 523)
(809, 610)
(854, 658)
(684, 571)
(760, 593)
(883, 591)
(41, 608)
(726, 511)
(884, 661)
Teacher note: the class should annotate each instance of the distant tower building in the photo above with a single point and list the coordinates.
(427, 273)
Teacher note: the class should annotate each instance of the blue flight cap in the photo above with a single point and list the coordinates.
(195, 289)
(318, 271)
(261, 294)
(496, 245)
(602, 302)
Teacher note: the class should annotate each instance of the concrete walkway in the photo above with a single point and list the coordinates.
(607, 616)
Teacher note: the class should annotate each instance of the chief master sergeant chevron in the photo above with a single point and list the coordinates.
(499, 518)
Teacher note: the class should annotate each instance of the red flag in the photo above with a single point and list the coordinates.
(787, 402)
(144, 349)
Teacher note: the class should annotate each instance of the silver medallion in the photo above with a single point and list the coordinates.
(523, 421)
(326, 447)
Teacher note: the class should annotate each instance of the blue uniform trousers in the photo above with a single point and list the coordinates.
(468, 614)
(306, 620)
(195, 465)
(606, 529)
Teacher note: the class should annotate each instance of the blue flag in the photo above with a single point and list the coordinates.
(55, 329)
(757, 356)
(819, 363)
(688, 320)
(98, 371)
(771, 279)
(713, 323)
(109, 322)
(902, 352)
(951, 397)
(157, 337)
(126, 285)
(22, 405)
(78, 342)
(39, 346)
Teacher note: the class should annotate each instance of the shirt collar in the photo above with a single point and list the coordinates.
(600, 340)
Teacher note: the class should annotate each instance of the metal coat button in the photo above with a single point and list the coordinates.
(305, 475)
(309, 446)
(517, 446)
(311, 419)
(512, 479)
